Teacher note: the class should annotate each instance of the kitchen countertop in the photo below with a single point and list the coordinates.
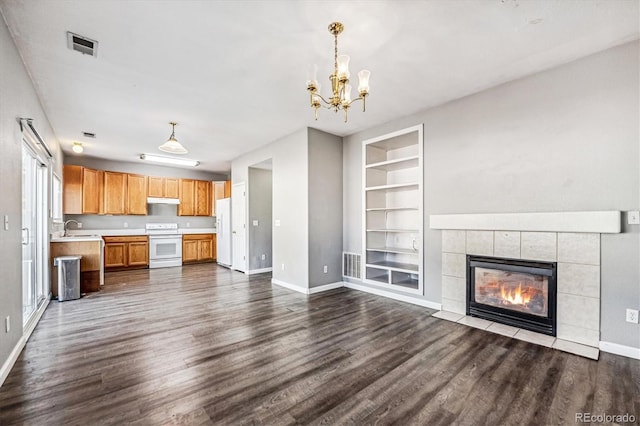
(76, 238)
(97, 233)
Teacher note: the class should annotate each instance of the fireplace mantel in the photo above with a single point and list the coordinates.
(600, 222)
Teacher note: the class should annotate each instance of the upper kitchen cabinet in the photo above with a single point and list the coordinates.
(195, 198)
(221, 189)
(83, 190)
(115, 192)
(92, 191)
(136, 194)
(163, 187)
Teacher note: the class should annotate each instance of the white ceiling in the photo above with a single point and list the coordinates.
(232, 73)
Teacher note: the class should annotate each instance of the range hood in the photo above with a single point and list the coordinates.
(154, 200)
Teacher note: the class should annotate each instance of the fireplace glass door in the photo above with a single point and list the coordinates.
(528, 293)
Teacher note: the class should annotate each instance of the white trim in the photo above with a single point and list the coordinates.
(290, 286)
(614, 348)
(604, 222)
(259, 271)
(326, 287)
(15, 353)
(400, 297)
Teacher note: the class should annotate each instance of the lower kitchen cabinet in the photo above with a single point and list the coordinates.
(198, 248)
(122, 252)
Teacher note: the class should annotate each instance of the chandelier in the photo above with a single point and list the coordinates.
(172, 146)
(340, 88)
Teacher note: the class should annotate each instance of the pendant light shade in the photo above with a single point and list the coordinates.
(172, 146)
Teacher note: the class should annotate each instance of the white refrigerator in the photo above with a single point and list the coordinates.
(223, 229)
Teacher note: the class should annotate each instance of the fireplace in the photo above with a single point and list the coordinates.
(515, 292)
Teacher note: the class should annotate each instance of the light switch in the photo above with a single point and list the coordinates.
(633, 217)
(6, 222)
(277, 222)
(255, 222)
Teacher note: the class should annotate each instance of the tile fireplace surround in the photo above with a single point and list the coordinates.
(570, 238)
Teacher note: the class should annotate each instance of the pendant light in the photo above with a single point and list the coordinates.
(172, 146)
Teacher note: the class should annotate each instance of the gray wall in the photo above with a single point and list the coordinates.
(17, 99)
(325, 208)
(566, 139)
(290, 205)
(260, 209)
(142, 168)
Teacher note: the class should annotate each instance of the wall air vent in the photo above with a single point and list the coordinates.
(89, 135)
(82, 44)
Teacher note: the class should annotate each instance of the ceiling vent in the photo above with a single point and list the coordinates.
(81, 44)
(88, 135)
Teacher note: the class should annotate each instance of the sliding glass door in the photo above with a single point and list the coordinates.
(34, 233)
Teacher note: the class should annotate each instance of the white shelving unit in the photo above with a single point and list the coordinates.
(392, 216)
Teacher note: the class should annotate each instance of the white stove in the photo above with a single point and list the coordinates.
(165, 245)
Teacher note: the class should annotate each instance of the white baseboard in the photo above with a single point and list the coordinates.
(290, 286)
(326, 287)
(15, 353)
(259, 271)
(614, 348)
(400, 297)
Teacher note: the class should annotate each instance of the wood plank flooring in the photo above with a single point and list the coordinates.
(204, 345)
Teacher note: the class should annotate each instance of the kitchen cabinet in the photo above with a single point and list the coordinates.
(83, 190)
(163, 187)
(195, 198)
(221, 189)
(115, 192)
(126, 252)
(198, 248)
(136, 194)
(72, 189)
(187, 205)
(92, 191)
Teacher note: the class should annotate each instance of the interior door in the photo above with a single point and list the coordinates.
(238, 227)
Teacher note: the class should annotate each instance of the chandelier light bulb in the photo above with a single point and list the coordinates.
(363, 77)
(343, 67)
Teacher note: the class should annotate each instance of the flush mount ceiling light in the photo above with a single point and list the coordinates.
(340, 88)
(77, 147)
(169, 160)
(172, 146)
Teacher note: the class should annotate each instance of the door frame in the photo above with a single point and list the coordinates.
(238, 188)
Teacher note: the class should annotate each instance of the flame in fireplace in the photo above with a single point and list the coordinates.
(515, 295)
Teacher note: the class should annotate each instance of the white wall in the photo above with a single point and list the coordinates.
(17, 99)
(290, 203)
(566, 139)
(260, 200)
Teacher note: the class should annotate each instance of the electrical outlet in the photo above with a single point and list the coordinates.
(255, 222)
(283, 266)
(632, 316)
(188, 224)
(263, 257)
(79, 225)
(277, 222)
(325, 269)
(7, 324)
(633, 217)
(126, 225)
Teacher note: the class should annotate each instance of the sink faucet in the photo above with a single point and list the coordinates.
(65, 226)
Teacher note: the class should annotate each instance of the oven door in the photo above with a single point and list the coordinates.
(165, 247)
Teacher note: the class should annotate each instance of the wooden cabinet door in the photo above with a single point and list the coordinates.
(187, 198)
(227, 189)
(155, 187)
(72, 189)
(214, 245)
(171, 188)
(115, 191)
(218, 194)
(92, 191)
(205, 250)
(138, 253)
(203, 198)
(136, 194)
(115, 255)
(189, 250)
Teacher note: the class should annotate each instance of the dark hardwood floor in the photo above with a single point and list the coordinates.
(205, 345)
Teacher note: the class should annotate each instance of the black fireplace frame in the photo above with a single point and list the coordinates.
(539, 324)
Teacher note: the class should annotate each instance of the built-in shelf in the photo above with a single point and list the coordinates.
(392, 217)
(393, 250)
(395, 266)
(396, 164)
(394, 187)
(411, 231)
